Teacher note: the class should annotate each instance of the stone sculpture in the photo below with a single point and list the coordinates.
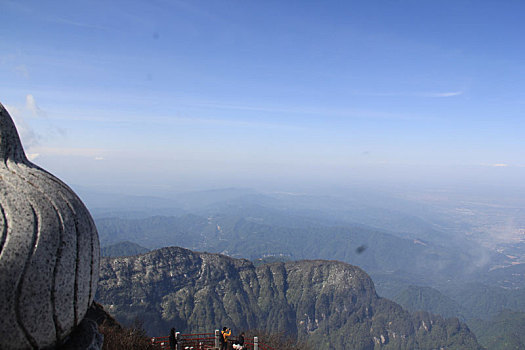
(49, 251)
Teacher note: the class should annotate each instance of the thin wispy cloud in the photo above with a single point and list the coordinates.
(497, 165)
(28, 136)
(32, 156)
(206, 111)
(24, 116)
(412, 94)
(75, 23)
(32, 107)
(28, 9)
(94, 153)
(22, 70)
(325, 112)
(443, 94)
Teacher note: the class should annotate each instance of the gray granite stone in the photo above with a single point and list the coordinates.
(49, 251)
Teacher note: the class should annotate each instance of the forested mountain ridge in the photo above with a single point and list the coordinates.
(124, 248)
(504, 331)
(254, 237)
(331, 304)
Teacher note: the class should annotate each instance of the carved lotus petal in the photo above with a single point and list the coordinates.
(49, 251)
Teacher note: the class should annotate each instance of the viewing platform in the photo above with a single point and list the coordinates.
(205, 341)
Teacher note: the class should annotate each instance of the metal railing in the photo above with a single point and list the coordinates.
(203, 341)
(194, 341)
(261, 346)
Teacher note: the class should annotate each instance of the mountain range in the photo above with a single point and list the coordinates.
(423, 257)
(265, 233)
(330, 304)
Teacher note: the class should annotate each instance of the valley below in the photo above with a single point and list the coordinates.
(425, 258)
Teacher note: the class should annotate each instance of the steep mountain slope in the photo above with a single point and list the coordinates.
(504, 331)
(416, 298)
(332, 304)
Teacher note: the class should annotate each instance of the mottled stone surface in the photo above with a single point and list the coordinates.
(49, 251)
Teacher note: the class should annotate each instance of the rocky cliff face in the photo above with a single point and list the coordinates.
(331, 304)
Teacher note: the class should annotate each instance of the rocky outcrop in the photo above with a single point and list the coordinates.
(331, 304)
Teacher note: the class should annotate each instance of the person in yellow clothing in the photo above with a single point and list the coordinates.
(226, 333)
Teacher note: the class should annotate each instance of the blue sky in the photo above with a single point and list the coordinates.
(133, 95)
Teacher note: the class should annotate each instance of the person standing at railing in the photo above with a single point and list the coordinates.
(225, 334)
(173, 339)
(239, 345)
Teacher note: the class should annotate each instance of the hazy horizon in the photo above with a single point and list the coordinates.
(168, 96)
